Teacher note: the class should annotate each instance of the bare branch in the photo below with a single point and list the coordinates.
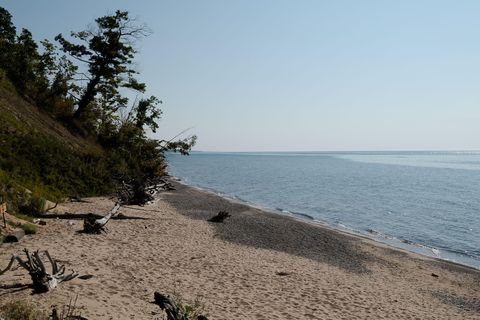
(12, 260)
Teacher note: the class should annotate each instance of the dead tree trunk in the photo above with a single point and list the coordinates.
(96, 226)
(42, 280)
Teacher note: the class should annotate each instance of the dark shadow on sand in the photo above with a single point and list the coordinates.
(11, 288)
(256, 228)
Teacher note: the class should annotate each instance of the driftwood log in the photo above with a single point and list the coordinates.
(42, 280)
(96, 226)
(222, 215)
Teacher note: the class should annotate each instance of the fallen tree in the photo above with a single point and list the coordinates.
(42, 280)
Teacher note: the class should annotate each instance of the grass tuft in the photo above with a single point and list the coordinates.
(21, 310)
(27, 227)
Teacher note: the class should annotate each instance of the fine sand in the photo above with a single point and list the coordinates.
(255, 265)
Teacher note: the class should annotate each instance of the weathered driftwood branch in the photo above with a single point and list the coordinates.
(51, 208)
(41, 278)
(96, 226)
(222, 215)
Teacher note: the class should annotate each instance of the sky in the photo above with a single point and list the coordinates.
(273, 75)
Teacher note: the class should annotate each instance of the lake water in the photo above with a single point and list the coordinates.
(427, 202)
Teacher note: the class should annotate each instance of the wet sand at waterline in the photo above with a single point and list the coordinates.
(255, 265)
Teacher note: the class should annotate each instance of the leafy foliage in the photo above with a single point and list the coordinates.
(25, 62)
(34, 207)
(177, 309)
(7, 37)
(190, 311)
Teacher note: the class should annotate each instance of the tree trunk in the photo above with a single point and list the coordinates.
(87, 97)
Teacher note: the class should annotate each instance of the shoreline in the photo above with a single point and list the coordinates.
(254, 265)
(389, 241)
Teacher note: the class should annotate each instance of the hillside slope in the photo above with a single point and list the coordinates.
(18, 114)
(39, 154)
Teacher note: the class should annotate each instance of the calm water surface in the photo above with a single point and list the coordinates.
(427, 202)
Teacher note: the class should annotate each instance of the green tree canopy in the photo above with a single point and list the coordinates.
(7, 39)
(26, 62)
(7, 29)
(108, 52)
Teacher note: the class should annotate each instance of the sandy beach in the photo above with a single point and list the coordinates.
(255, 265)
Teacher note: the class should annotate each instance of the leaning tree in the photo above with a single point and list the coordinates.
(107, 51)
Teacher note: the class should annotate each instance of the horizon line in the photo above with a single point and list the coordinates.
(339, 151)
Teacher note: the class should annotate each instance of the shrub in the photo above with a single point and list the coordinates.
(176, 309)
(34, 207)
(190, 311)
(21, 310)
(27, 227)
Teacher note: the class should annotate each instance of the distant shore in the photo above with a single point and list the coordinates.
(254, 265)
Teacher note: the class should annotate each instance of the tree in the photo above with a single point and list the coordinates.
(7, 29)
(107, 50)
(7, 37)
(26, 62)
(60, 75)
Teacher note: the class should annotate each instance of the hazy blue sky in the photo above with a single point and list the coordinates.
(300, 75)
